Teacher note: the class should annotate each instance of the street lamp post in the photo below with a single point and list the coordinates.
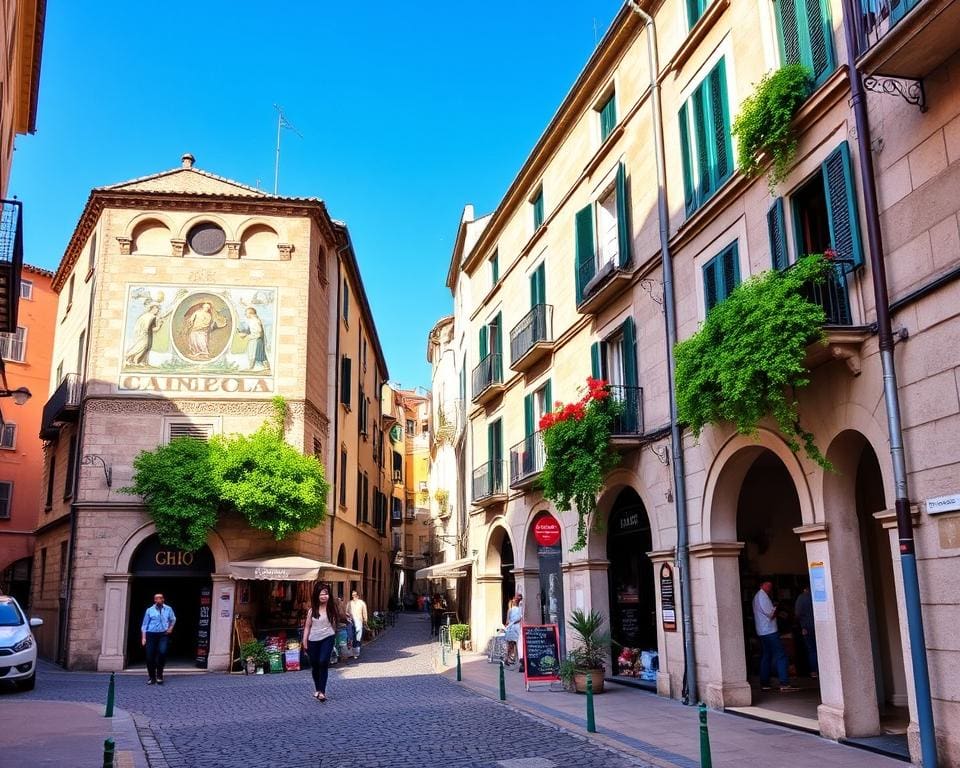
(20, 395)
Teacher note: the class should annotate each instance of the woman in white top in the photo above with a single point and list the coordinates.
(512, 633)
(319, 633)
(357, 610)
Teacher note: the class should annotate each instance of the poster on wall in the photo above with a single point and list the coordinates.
(818, 590)
(203, 627)
(668, 605)
(209, 339)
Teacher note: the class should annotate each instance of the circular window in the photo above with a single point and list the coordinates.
(206, 239)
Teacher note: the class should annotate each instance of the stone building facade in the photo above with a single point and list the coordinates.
(566, 279)
(187, 302)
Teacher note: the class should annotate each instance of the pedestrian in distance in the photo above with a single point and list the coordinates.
(803, 609)
(436, 616)
(319, 633)
(765, 623)
(357, 610)
(155, 631)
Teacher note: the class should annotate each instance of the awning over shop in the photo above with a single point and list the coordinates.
(291, 568)
(450, 570)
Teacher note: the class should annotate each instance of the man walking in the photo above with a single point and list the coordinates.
(765, 622)
(357, 610)
(155, 631)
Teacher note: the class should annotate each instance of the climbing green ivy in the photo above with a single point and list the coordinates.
(747, 360)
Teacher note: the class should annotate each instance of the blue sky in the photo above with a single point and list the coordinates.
(407, 112)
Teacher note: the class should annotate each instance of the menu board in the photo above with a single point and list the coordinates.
(668, 606)
(541, 652)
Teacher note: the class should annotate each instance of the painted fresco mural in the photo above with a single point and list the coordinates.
(181, 338)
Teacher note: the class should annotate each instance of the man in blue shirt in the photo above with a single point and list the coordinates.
(155, 630)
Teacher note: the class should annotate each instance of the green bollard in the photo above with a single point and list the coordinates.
(705, 760)
(459, 672)
(111, 695)
(591, 719)
(503, 685)
(108, 750)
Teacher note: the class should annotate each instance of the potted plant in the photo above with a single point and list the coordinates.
(459, 634)
(254, 654)
(588, 658)
(566, 671)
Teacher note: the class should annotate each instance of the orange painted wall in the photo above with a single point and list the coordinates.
(23, 466)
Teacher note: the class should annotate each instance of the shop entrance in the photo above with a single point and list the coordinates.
(633, 606)
(768, 510)
(182, 577)
(508, 584)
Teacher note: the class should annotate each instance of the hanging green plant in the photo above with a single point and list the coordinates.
(747, 360)
(576, 437)
(188, 483)
(764, 126)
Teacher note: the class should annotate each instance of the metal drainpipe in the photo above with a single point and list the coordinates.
(336, 408)
(670, 322)
(908, 558)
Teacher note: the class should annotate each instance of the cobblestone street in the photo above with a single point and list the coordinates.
(388, 710)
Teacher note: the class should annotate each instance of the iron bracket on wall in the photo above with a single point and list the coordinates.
(911, 91)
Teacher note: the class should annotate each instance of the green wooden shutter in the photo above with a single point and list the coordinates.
(548, 395)
(608, 117)
(484, 344)
(694, 12)
(729, 270)
(788, 31)
(689, 190)
(702, 173)
(595, 367)
(495, 268)
(819, 39)
(630, 419)
(528, 416)
(842, 206)
(498, 347)
(719, 116)
(538, 289)
(777, 232)
(585, 264)
(710, 297)
(345, 369)
(623, 218)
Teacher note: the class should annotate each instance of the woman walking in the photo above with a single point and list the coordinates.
(319, 633)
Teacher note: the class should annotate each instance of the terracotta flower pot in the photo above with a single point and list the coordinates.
(580, 680)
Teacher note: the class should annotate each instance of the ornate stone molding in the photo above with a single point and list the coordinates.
(121, 577)
(489, 579)
(585, 565)
(662, 555)
(814, 532)
(717, 549)
(888, 517)
(233, 249)
(286, 250)
(177, 244)
(125, 244)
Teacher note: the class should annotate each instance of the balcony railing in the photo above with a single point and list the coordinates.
(487, 374)
(488, 481)
(448, 421)
(629, 421)
(907, 38)
(832, 294)
(600, 284)
(62, 407)
(535, 329)
(11, 262)
(526, 460)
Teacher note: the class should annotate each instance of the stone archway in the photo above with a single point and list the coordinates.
(495, 580)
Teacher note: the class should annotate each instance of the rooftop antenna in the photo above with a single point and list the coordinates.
(282, 122)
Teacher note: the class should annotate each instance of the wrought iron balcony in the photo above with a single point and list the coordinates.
(532, 338)
(11, 262)
(526, 460)
(488, 486)
(832, 294)
(600, 284)
(62, 407)
(488, 378)
(628, 423)
(905, 39)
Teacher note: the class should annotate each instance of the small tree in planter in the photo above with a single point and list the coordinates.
(460, 634)
(254, 654)
(764, 127)
(576, 437)
(589, 657)
(747, 360)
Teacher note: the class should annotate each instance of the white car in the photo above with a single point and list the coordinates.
(18, 649)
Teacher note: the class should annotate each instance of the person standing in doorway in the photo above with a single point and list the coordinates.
(319, 634)
(357, 610)
(765, 622)
(155, 631)
(511, 632)
(803, 609)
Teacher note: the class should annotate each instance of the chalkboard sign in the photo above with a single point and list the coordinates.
(541, 652)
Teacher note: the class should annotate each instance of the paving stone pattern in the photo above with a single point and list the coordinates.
(389, 710)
